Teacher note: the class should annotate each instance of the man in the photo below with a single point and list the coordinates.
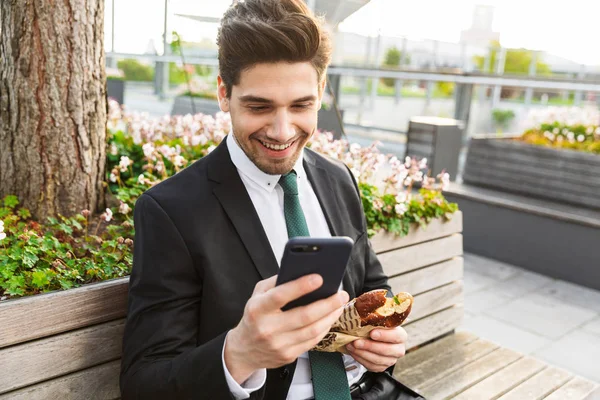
(205, 319)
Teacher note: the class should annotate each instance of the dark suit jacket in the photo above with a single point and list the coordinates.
(199, 251)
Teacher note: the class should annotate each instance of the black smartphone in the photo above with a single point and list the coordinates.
(327, 257)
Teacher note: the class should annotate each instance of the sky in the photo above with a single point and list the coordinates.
(567, 29)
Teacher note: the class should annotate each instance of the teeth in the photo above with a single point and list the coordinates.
(277, 147)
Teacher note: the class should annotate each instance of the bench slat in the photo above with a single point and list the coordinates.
(33, 362)
(425, 279)
(575, 389)
(433, 326)
(539, 385)
(61, 311)
(98, 383)
(421, 255)
(504, 380)
(436, 300)
(441, 365)
(461, 379)
(384, 241)
(441, 346)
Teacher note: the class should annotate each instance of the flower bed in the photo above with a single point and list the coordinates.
(65, 252)
(555, 159)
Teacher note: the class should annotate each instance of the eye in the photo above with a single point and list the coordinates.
(257, 108)
(301, 106)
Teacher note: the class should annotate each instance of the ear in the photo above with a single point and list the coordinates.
(222, 95)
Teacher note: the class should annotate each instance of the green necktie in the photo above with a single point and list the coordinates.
(328, 371)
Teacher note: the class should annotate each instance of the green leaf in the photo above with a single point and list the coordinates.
(39, 279)
(24, 213)
(29, 259)
(11, 201)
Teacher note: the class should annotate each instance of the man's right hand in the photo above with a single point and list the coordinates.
(267, 337)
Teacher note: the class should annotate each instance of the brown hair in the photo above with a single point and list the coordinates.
(266, 31)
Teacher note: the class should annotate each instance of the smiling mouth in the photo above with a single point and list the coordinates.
(276, 147)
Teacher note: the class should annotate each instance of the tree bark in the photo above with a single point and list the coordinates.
(53, 104)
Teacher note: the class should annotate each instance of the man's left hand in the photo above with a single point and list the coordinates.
(381, 350)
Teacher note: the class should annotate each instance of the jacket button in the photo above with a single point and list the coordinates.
(284, 373)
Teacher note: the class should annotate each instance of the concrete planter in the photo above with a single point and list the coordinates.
(67, 344)
(183, 106)
(535, 171)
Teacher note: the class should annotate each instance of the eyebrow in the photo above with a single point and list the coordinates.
(256, 99)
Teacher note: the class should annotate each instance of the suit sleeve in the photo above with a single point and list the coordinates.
(375, 278)
(161, 358)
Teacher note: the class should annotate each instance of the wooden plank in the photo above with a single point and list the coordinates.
(576, 389)
(432, 350)
(384, 241)
(48, 314)
(421, 255)
(504, 380)
(98, 383)
(441, 365)
(462, 378)
(43, 359)
(539, 385)
(433, 326)
(436, 300)
(425, 279)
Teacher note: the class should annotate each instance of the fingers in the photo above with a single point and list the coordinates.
(368, 364)
(301, 317)
(265, 285)
(317, 329)
(395, 350)
(279, 296)
(375, 361)
(395, 335)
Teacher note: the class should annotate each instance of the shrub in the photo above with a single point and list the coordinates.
(136, 71)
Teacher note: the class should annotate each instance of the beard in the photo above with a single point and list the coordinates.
(254, 150)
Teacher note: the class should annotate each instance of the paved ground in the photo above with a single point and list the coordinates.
(553, 320)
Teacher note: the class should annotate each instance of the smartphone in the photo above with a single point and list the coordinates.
(327, 257)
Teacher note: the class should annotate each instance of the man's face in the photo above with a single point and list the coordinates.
(274, 112)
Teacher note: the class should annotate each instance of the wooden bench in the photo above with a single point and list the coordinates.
(67, 345)
(463, 366)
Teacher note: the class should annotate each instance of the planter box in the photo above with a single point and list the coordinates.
(183, 106)
(540, 172)
(67, 345)
(115, 88)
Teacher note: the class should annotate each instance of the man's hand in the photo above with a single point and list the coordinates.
(381, 350)
(267, 337)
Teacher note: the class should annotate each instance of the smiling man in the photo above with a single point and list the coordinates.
(204, 318)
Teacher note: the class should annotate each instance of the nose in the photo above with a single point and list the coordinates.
(282, 129)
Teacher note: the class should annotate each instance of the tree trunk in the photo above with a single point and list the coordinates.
(53, 105)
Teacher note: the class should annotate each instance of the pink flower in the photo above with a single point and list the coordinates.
(124, 208)
(401, 208)
(107, 215)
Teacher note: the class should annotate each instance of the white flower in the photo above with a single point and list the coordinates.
(141, 179)
(589, 130)
(401, 197)
(113, 177)
(580, 138)
(1, 226)
(107, 215)
(124, 163)
(423, 163)
(2, 235)
(148, 149)
(556, 131)
(179, 161)
(124, 208)
(401, 208)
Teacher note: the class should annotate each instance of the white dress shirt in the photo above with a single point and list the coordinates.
(267, 197)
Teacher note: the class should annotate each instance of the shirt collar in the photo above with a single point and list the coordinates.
(246, 167)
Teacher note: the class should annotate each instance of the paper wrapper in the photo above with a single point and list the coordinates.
(349, 328)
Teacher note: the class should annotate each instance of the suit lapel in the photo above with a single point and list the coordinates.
(325, 189)
(236, 202)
